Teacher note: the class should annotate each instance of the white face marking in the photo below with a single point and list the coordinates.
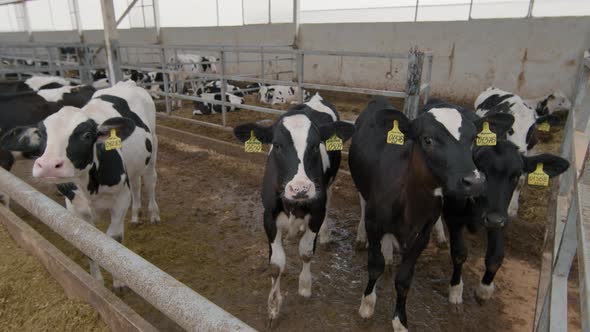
(450, 118)
(438, 192)
(59, 127)
(316, 104)
(54, 95)
(37, 82)
(298, 126)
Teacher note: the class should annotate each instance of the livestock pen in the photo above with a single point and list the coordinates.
(209, 252)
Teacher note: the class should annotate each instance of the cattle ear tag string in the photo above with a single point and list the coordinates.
(334, 143)
(395, 136)
(113, 142)
(486, 137)
(539, 177)
(545, 126)
(253, 144)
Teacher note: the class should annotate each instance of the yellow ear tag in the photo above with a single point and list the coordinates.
(486, 137)
(334, 143)
(539, 177)
(113, 142)
(395, 136)
(253, 144)
(545, 126)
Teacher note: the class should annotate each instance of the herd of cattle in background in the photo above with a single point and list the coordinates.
(98, 145)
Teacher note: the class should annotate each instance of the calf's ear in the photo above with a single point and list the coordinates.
(551, 118)
(500, 123)
(342, 129)
(552, 165)
(244, 132)
(123, 127)
(22, 139)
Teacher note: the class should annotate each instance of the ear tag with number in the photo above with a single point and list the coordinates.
(395, 136)
(486, 137)
(539, 177)
(334, 143)
(545, 126)
(253, 144)
(113, 142)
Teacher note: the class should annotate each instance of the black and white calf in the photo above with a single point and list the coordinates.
(503, 166)
(191, 66)
(93, 179)
(549, 104)
(522, 133)
(297, 184)
(33, 84)
(401, 186)
(205, 108)
(215, 87)
(279, 94)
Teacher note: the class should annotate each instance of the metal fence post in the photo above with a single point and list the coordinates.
(261, 62)
(50, 60)
(223, 87)
(300, 65)
(415, 62)
(165, 78)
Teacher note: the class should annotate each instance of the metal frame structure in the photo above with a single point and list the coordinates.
(569, 225)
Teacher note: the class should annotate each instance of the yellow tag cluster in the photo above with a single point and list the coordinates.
(539, 177)
(253, 145)
(545, 126)
(486, 137)
(334, 143)
(113, 142)
(395, 136)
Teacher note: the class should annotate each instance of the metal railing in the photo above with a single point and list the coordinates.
(184, 306)
(570, 221)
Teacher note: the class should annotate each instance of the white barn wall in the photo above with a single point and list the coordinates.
(529, 56)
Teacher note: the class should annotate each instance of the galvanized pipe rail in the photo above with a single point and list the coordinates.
(177, 301)
(572, 236)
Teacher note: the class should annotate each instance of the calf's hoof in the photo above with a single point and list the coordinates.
(484, 292)
(398, 326)
(274, 305)
(456, 293)
(368, 305)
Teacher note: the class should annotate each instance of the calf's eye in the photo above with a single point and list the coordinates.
(87, 136)
(428, 140)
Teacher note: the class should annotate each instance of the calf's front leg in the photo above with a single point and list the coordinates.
(494, 259)
(272, 226)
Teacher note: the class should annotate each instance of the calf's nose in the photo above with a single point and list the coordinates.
(298, 189)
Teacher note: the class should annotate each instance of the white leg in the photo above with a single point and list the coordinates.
(4, 199)
(368, 304)
(136, 201)
(484, 292)
(388, 243)
(80, 207)
(277, 266)
(361, 233)
(456, 293)
(306, 253)
(439, 232)
(151, 177)
(325, 229)
(117, 226)
(398, 326)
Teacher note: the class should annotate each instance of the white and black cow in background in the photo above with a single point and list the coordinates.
(191, 65)
(93, 180)
(401, 186)
(279, 94)
(33, 84)
(522, 133)
(297, 184)
(549, 104)
(215, 87)
(205, 108)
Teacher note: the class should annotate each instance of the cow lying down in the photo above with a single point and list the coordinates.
(97, 156)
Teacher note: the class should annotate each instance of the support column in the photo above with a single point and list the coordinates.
(111, 38)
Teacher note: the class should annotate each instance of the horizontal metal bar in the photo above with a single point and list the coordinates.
(186, 307)
(387, 93)
(199, 122)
